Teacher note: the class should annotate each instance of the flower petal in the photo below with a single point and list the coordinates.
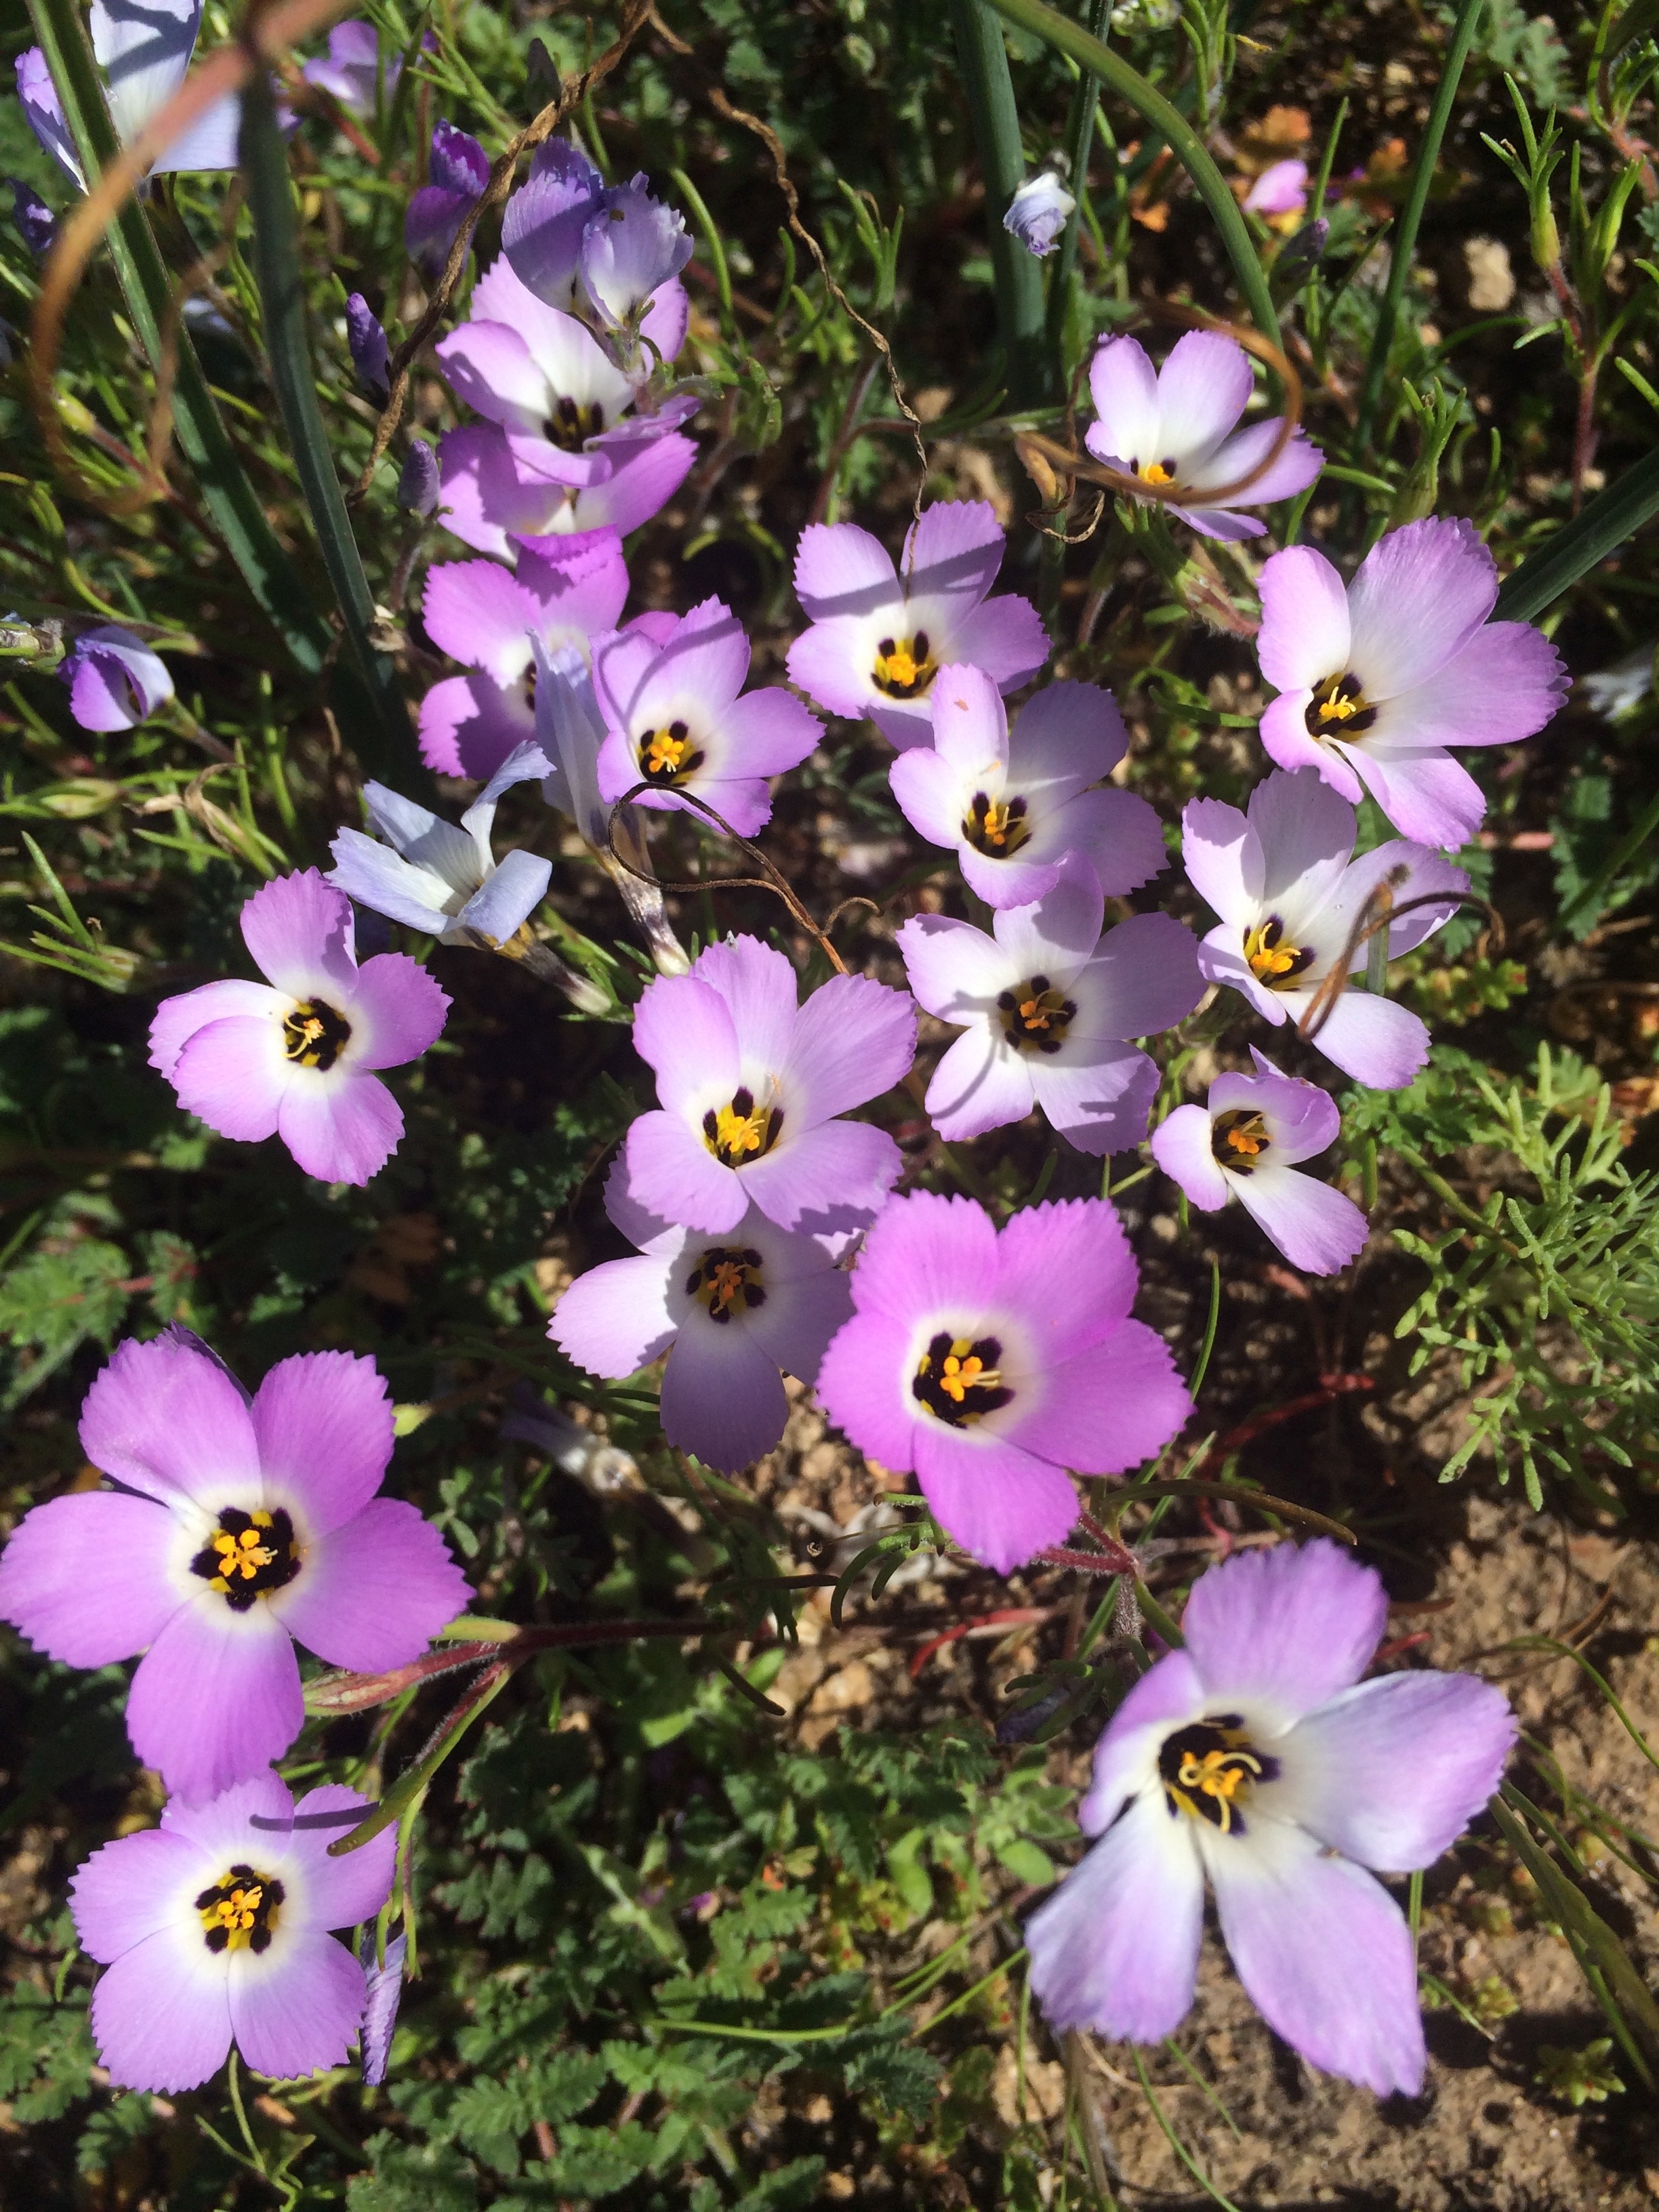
(338, 1893)
(1312, 1225)
(233, 1075)
(1107, 1407)
(1290, 1627)
(1250, 454)
(862, 1388)
(926, 1251)
(722, 1395)
(1098, 1093)
(953, 969)
(999, 1502)
(1305, 636)
(1079, 1242)
(980, 1084)
(1126, 1757)
(673, 1173)
(841, 570)
(1420, 594)
(216, 1698)
(373, 1592)
(469, 725)
(853, 1039)
(826, 1179)
(1222, 856)
(1143, 977)
(1203, 388)
(1307, 835)
(1124, 384)
(1379, 1042)
(1183, 1146)
(396, 1011)
(684, 1031)
(1504, 684)
(129, 1890)
(1115, 1948)
(1427, 796)
(342, 1131)
(160, 2014)
(760, 990)
(299, 930)
(324, 1424)
(170, 1420)
(296, 2009)
(480, 614)
(86, 1578)
(615, 1320)
(177, 1019)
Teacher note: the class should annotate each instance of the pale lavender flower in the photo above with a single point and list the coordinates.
(370, 355)
(631, 247)
(1038, 212)
(239, 1527)
(1246, 1143)
(1257, 1758)
(459, 171)
(990, 1362)
(114, 680)
(880, 636)
(144, 49)
(352, 70)
(295, 1056)
(213, 1928)
(1280, 189)
(1176, 428)
(1291, 895)
(1013, 803)
(545, 236)
(733, 1312)
(383, 1993)
(1377, 680)
(750, 1087)
(1045, 1007)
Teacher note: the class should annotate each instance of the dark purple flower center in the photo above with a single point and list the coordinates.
(741, 1131)
(995, 827)
(727, 1281)
(1272, 961)
(1339, 708)
(905, 667)
(1239, 1139)
(1210, 1768)
(958, 1379)
(570, 424)
(669, 757)
(248, 1554)
(1035, 1016)
(314, 1034)
(240, 1910)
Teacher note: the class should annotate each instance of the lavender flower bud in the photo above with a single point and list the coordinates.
(369, 355)
(1038, 212)
(418, 487)
(385, 1987)
(33, 218)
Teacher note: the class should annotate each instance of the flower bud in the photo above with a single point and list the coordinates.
(417, 486)
(369, 355)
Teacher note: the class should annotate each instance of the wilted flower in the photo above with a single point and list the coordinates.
(214, 1929)
(1257, 1757)
(730, 1314)
(144, 48)
(750, 1085)
(1038, 212)
(1246, 1143)
(1377, 680)
(1045, 1007)
(370, 355)
(115, 681)
(990, 1362)
(241, 1525)
(35, 221)
(294, 1056)
(459, 170)
(676, 723)
(1291, 896)
(1618, 689)
(1014, 803)
(1174, 429)
(352, 70)
(880, 636)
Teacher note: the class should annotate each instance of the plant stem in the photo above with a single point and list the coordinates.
(1079, 138)
(990, 89)
(1404, 240)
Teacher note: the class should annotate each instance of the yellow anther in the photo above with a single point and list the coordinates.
(1271, 959)
(1156, 473)
(740, 1133)
(998, 823)
(1245, 1140)
(727, 1283)
(665, 754)
(904, 666)
(1340, 710)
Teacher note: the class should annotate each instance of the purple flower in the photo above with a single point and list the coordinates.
(214, 1929)
(294, 1056)
(675, 721)
(1038, 212)
(1279, 189)
(542, 227)
(115, 681)
(1174, 427)
(417, 481)
(144, 47)
(433, 877)
(460, 174)
(241, 1525)
(1289, 895)
(1379, 680)
(880, 636)
(385, 1988)
(370, 355)
(545, 236)
(750, 1085)
(729, 1313)
(631, 247)
(1245, 1142)
(1015, 804)
(1045, 1007)
(352, 70)
(44, 113)
(1256, 1757)
(35, 221)
(495, 506)
(991, 1362)
(485, 616)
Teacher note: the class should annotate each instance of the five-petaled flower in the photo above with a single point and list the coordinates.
(1175, 429)
(240, 1526)
(880, 636)
(1245, 1142)
(1293, 900)
(751, 1085)
(1257, 1757)
(1046, 1006)
(730, 1309)
(213, 1928)
(1378, 679)
(990, 1362)
(1015, 802)
(294, 1056)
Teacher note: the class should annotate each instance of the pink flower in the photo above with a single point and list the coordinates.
(1256, 1757)
(1246, 1144)
(880, 636)
(991, 1362)
(1014, 804)
(1378, 679)
(493, 505)
(214, 1929)
(241, 1525)
(353, 71)
(115, 681)
(1280, 189)
(294, 1056)
(1176, 428)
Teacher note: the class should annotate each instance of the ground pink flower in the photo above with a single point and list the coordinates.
(880, 636)
(214, 1929)
(1245, 1144)
(1045, 1007)
(241, 1525)
(1257, 1757)
(990, 1362)
(1014, 803)
(1378, 679)
(1175, 429)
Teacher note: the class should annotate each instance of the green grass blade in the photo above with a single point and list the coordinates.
(1609, 519)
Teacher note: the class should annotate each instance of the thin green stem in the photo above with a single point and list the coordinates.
(1018, 278)
(1079, 141)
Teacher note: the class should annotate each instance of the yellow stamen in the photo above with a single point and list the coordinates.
(665, 754)
(740, 1133)
(1156, 473)
(1270, 958)
(1340, 710)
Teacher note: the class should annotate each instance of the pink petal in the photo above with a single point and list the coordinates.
(216, 1698)
(299, 930)
(853, 1040)
(479, 613)
(1080, 1242)
(1272, 476)
(373, 1592)
(954, 549)
(343, 1130)
(220, 1827)
(86, 1578)
(1118, 834)
(468, 725)
(826, 1179)
(1377, 1042)
(491, 369)
(1505, 683)
(1002, 1505)
(1222, 856)
(1312, 1225)
(296, 2010)
(1097, 1094)
(929, 792)
(1005, 637)
(160, 2014)
(952, 968)
(1305, 636)
(1124, 384)
(722, 1397)
(841, 570)
(1290, 745)
(1143, 978)
(703, 665)
(1425, 795)
(234, 1076)
(801, 1313)
(337, 1893)
(1203, 388)
(684, 1028)
(769, 731)
(643, 483)
(970, 723)
(1420, 594)
(580, 591)
(324, 1424)
(926, 1251)
(671, 1171)
(129, 1890)
(979, 1085)
(168, 1419)
(829, 663)
(1290, 1627)
(482, 498)
(614, 1320)
(396, 1011)
(664, 322)
(1115, 1949)
(1168, 1690)
(1307, 835)
(1302, 1119)
(1224, 524)
(759, 988)
(1069, 736)
(177, 1019)
(1183, 1146)
(1107, 1407)
(862, 1388)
